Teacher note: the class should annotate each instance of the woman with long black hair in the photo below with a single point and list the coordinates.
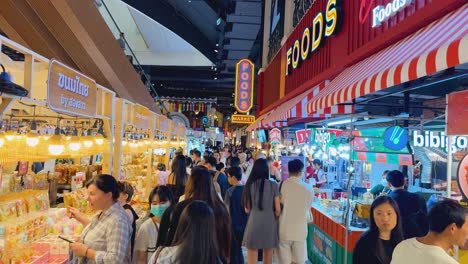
(177, 179)
(200, 186)
(261, 200)
(376, 245)
(195, 239)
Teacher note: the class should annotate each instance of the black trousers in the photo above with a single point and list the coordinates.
(236, 248)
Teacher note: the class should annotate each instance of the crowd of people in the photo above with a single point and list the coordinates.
(212, 206)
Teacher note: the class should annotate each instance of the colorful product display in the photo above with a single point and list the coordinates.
(25, 222)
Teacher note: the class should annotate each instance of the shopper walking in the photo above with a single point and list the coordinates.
(195, 239)
(412, 207)
(376, 245)
(199, 187)
(297, 198)
(448, 227)
(218, 176)
(160, 199)
(239, 217)
(125, 196)
(106, 237)
(178, 177)
(261, 200)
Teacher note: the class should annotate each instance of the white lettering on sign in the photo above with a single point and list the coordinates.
(381, 14)
(73, 85)
(438, 140)
(72, 102)
(322, 137)
(140, 116)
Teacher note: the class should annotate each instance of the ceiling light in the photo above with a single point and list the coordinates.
(88, 141)
(56, 146)
(216, 50)
(215, 78)
(99, 139)
(217, 45)
(32, 139)
(74, 144)
(9, 135)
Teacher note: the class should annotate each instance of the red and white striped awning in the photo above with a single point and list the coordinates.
(438, 46)
(296, 107)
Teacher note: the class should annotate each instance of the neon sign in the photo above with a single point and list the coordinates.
(324, 25)
(380, 13)
(244, 86)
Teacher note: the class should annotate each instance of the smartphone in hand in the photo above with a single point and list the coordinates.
(68, 240)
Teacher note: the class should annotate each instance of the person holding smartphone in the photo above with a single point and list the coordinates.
(106, 237)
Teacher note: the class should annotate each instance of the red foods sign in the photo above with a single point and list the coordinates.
(244, 85)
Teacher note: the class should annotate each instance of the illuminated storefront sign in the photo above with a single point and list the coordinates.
(323, 25)
(242, 119)
(380, 13)
(431, 139)
(275, 136)
(244, 86)
(70, 92)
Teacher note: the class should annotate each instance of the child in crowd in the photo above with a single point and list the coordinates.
(233, 201)
(125, 196)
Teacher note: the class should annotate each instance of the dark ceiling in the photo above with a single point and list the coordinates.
(237, 35)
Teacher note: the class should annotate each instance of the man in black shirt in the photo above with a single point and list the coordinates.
(218, 176)
(413, 209)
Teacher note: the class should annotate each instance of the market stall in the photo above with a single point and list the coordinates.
(56, 126)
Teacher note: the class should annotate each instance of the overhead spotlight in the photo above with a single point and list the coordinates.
(7, 86)
(217, 45)
(215, 78)
(216, 50)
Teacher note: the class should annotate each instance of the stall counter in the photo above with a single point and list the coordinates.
(326, 238)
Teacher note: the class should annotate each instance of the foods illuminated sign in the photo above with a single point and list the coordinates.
(380, 13)
(244, 86)
(323, 25)
(70, 92)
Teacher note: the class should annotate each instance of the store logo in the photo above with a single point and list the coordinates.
(380, 13)
(395, 138)
(438, 140)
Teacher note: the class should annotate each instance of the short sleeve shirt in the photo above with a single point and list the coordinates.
(146, 237)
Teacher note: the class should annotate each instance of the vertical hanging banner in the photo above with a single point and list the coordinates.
(275, 136)
(244, 86)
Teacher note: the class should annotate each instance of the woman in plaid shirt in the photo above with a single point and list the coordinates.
(106, 237)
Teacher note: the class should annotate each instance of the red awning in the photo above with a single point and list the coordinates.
(438, 46)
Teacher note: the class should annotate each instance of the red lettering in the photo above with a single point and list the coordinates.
(364, 10)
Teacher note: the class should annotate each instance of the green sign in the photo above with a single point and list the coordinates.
(323, 247)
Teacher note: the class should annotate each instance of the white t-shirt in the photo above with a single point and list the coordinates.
(297, 198)
(414, 252)
(166, 256)
(146, 238)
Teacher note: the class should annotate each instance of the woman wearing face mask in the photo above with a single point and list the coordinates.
(145, 243)
(377, 244)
